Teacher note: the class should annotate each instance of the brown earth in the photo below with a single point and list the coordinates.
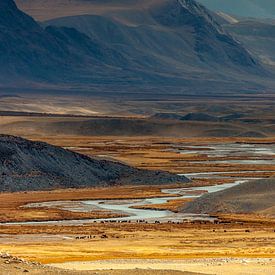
(172, 205)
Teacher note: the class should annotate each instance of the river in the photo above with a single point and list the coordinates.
(242, 154)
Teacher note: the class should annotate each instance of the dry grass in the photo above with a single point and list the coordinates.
(11, 209)
(172, 205)
(143, 241)
(238, 236)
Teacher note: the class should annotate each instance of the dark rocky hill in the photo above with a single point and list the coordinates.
(249, 197)
(27, 165)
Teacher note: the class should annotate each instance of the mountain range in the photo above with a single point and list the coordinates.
(130, 43)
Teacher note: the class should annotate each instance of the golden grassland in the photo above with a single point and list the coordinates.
(142, 241)
(172, 205)
(12, 210)
(236, 235)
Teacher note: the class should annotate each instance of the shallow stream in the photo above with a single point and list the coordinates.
(242, 154)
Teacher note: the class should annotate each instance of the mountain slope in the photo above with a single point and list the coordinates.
(158, 42)
(179, 36)
(257, 36)
(246, 8)
(249, 197)
(31, 52)
(141, 24)
(26, 165)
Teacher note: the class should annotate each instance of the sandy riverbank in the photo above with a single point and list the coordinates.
(223, 266)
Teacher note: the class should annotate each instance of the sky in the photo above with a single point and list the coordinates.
(247, 8)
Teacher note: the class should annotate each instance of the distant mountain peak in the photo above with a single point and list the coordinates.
(184, 12)
(191, 5)
(11, 16)
(198, 9)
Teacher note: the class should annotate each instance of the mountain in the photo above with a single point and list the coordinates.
(207, 45)
(257, 36)
(131, 43)
(27, 165)
(250, 197)
(30, 52)
(245, 8)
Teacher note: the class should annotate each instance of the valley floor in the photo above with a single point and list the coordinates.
(238, 244)
(241, 244)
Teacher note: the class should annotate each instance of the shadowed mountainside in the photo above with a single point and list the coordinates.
(257, 36)
(181, 31)
(30, 52)
(27, 165)
(160, 42)
(249, 197)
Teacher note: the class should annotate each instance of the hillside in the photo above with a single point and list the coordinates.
(143, 43)
(31, 53)
(250, 197)
(27, 165)
(257, 36)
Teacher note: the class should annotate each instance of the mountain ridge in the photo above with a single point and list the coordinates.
(69, 51)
